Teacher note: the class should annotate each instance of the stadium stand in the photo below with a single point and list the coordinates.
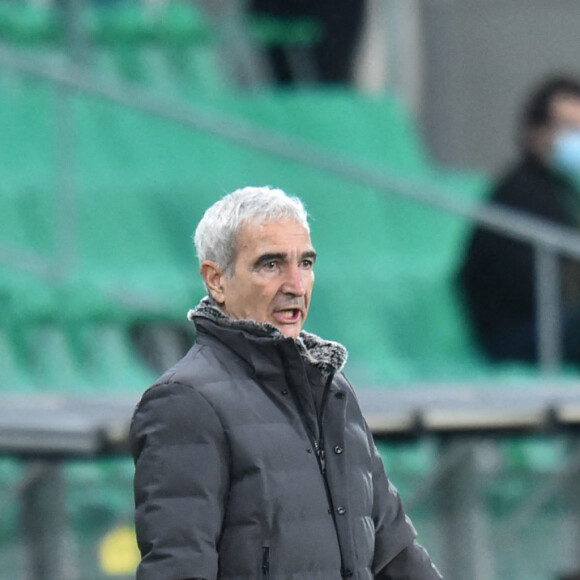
(143, 183)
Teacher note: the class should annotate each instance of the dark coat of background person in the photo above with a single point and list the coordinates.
(228, 480)
(497, 276)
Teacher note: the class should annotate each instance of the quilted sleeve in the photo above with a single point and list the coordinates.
(181, 481)
(413, 562)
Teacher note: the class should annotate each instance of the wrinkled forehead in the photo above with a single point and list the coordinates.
(280, 233)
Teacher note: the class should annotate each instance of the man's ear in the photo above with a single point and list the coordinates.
(212, 276)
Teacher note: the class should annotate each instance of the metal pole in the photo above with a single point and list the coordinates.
(44, 523)
(77, 42)
(571, 530)
(239, 54)
(465, 551)
(548, 315)
(66, 196)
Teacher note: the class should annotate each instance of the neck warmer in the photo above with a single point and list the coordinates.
(317, 351)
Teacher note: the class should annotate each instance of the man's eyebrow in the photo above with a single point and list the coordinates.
(281, 257)
(264, 258)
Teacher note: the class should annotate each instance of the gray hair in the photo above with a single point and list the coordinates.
(216, 235)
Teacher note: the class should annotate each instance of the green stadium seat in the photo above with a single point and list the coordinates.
(121, 23)
(30, 24)
(269, 31)
(155, 46)
(181, 24)
(122, 28)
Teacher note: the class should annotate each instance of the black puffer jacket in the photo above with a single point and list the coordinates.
(253, 461)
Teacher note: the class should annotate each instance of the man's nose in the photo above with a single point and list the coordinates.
(294, 282)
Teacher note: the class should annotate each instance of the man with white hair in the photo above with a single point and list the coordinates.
(252, 457)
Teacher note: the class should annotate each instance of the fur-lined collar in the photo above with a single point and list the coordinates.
(321, 353)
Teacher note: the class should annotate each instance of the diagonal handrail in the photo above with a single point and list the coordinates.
(511, 222)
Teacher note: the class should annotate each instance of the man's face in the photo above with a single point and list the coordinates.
(564, 116)
(273, 276)
(564, 135)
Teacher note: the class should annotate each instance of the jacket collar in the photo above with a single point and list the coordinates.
(318, 352)
(534, 162)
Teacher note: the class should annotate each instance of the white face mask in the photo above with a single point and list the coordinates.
(566, 152)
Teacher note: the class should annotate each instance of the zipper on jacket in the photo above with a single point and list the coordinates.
(266, 563)
(322, 462)
(319, 445)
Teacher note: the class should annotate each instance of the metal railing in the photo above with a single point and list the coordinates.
(464, 424)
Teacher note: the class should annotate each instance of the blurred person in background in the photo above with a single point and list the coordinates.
(331, 57)
(497, 276)
(252, 457)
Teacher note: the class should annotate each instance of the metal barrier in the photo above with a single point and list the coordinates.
(49, 430)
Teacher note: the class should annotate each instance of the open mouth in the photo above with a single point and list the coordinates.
(288, 316)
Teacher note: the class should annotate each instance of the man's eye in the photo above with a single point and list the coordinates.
(307, 264)
(270, 265)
